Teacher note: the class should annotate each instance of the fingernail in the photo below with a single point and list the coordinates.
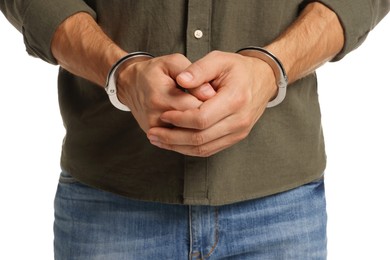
(207, 90)
(153, 138)
(164, 120)
(158, 144)
(186, 76)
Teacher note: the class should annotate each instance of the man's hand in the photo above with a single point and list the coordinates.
(148, 88)
(244, 86)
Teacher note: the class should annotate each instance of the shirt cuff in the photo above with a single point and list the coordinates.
(356, 18)
(41, 20)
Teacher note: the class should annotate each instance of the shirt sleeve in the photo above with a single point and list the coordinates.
(358, 18)
(39, 19)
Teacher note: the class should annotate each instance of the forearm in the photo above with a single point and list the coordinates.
(315, 38)
(81, 47)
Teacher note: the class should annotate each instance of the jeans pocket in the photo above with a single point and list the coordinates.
(67, 178)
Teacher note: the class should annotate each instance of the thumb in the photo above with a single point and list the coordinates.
(202, 71)
(201, 90)
(197, 76)
(204, 92)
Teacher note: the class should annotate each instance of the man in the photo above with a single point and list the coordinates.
(224, 176)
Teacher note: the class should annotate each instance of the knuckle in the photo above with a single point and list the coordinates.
(150, 124)
(197, 139)
(151, 121)
(197, 69)
(201, 151)
(155, 101)
(240, 99)
(243, 128)
(236, 103)
(244, 123)
(201, 122)
(215, 53)
(242, 136)
(177, 56)
(238, 137)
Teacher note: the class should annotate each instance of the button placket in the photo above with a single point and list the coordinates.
(197, 46)
(198, 28)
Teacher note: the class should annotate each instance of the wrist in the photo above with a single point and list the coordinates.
(110, 56)
(112, 86)
(277, 68)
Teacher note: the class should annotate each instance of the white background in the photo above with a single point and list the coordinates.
(354, 95)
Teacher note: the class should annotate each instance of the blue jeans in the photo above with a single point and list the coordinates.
(93, 224)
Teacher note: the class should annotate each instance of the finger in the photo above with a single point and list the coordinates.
(182, 101)
(175, 64)
(200, 142)
(208, 114)
(185, 136)
(175, 98)
(204, 150)
(204, 70)
(204, 92)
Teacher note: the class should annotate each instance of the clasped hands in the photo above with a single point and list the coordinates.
(226, 94)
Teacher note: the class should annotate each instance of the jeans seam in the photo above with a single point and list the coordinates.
(216, 234)
(190, 232)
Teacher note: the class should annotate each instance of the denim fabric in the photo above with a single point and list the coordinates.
(94, 224)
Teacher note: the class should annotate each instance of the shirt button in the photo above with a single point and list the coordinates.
(198, 34)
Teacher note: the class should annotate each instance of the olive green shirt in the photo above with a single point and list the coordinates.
(105, 148)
